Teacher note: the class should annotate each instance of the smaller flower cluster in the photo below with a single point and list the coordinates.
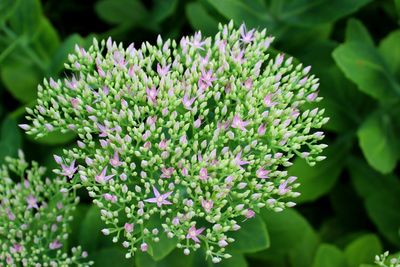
(383, 261)
(34, 217)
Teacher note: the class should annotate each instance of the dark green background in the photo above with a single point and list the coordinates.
(350, 203)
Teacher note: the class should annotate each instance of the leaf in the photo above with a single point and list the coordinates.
(252, 237)
(390, 51)
(61, 54)
(90, 236)
(163, 9)
(78, 216)
(367, 181)
(304, 253)
(46, 41)
(10, 139)
(199, 18)
(175, 259)
(383, 208)
(158, 250)
(356, 32)
(21, 80)
(363, 65)
(318, 180)
(54, 138)
(363, 250)
(26, 18)
(344, 104)
(310, 13)
(329, 256)
(110, 257)
(378, 142)
(240, 12)
(199, 259)
(285, 229)
(121, 11)
(7, 7)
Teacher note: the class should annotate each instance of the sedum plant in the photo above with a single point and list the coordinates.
(34, 218)
(195, 135)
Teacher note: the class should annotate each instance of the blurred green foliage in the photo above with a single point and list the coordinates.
(350, 203)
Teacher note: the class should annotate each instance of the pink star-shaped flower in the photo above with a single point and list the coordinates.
(239, 123)
(262, 173)
(193, 233)
(239, 161)
(167, 172)
(70, 170)
(102, 177)
(32, 202)
(159, 199)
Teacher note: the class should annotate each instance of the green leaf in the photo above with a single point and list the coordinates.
(367, 181)
(378, 142)
(390, 51)
(240, 11)
(21, 80)
(175, 259)
(79, 215)
(199, 259)
(304, 253)
(309, 13)
(163, 9)
(7, 7)
(383, 208)
(90, 236)
(158, 250)
(26, 18)
(252, 237)
(199, 18)
(121, 11)
(54, 138)
(285, 229)
(356, 32)
(61, 54)
(46, 41)
(363, 65)
(363, 250)
(318, 180)
(344, 104)
(110, 257)
(10, 139)
(329, 256)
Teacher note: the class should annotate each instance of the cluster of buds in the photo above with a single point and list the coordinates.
(196, 134)
(34, 218)
(383, 261)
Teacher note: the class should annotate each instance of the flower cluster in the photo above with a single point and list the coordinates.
(383, 261)
(34, 217)
(196, 134)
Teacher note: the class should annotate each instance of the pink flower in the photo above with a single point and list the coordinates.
(158, 198)
(197, 42)
(283, 187)
(239, 161)
(70, 170)
(115, 160)
(262, 173)
(207, 205)
(268, 101)
(55, 245)
(187, 102)
(144, 247)
(239, 124)
(197, 123)
(162, 71)
(250, 213)
(16, 248)
(128, 227)
(167, 172)
(102, 177)
(193, 233)
(203, 174)
(32, 202)
(152, 94)
(247, 36)
(261, 129)
(206, 79)
(111, 198)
